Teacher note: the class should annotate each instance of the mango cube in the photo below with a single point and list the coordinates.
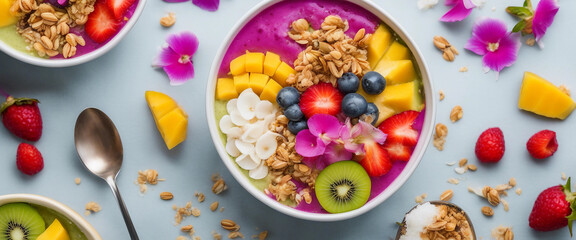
(403, 97)
(380, 42)
(384, 113)
(6, 17)
(225, 89)
(271, 63)
(258, 82)
(238, 65)
(282, 73)
(171, 120)
(270, 91)
(396, 51)
(241, 82)
(543, 98)
(396, 72)
(254, 62)
(54, 232)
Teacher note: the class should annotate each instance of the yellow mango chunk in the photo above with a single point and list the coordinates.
(238, 65)
(170, 119)
(271, 63)
(173, 127)
(396, 72)
(384, 113)
(403, 97)
(282, 73)
(241, 82)
(270, 91)
(6, 17)
(225, 89)
(543, 98)
(54, 232)
(254, 62)
(396, 51)
(258, 82)
(380, 42)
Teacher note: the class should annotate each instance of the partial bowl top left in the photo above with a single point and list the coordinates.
(62, 33)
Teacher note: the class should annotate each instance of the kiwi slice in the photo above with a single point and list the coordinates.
(343, 186)
(20, 221)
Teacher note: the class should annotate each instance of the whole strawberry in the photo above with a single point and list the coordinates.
(490, 145)
(28, 159)
(554, 209)
(21, 116)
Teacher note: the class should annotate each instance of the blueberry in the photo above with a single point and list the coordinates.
(372, 112)
(288, 96)
(296, 126)
(354, 105)
(373, 83)
(293, 112)
(348, 83)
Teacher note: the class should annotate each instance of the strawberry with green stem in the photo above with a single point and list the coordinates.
(21, 116)
(554, 208)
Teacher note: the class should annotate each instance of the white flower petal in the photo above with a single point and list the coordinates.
(238, 119)
(259, 172)
(232, 149)
(264, 108)
(235, 133)
(226, 124)
(246, 161)
(232, 106)
(244, 147)
(253, 132)
(247, 103)
(266, 145)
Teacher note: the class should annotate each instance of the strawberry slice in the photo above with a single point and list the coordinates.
(119, 7)
(543, 144)
(376, 161)
(101, 25)
(398, 151)
(321, 98)
(399, 128)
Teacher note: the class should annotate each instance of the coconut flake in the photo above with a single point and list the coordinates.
(232, 149)
(226, 124)
(248, 161)
(417, 220)
(238, 119)
(244, 147)
(253, 132)
(232, 106)
(259, 172)
(235, 133)
(247, 102)
(264, 109)
(266, 145)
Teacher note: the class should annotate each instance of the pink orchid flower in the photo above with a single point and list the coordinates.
(208, 5)
(322, 130)
(176, 57)
(535, 21)
(460, 10)
(491, 39)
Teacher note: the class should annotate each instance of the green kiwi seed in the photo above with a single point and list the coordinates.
(343, 186)
(20, 221)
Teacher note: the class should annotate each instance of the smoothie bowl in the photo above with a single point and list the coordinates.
(61, 33)
(320, 109)
(28, 216)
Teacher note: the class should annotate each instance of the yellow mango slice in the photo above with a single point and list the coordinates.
(271, 63)
(6, 17)
(282, 73)
(270, 91)
(241, 82)
(539, 96)
(254, 62)
(173, 127)
(258, 82)
(54, 232)
(396, 51)
(380, 42)
(403, 97)
(238, 65)
(401, 72)
(384, 113)
(225, 89)
(170, 119)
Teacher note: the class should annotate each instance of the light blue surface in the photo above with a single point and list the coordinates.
(116, 83)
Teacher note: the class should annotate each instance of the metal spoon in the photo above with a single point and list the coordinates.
(99, 146)
(449, 204)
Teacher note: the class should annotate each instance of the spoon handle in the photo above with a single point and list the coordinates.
(133, 235)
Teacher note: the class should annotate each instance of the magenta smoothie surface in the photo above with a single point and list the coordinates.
(268, 31)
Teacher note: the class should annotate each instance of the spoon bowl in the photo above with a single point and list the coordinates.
(100, 148)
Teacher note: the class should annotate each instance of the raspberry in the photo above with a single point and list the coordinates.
(490, 145)
(28, 159)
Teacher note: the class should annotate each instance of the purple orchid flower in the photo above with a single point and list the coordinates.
(460, 10)
(176, 57)
(208, 5)
(534, 21)
(322, 130)
(491, 40)
(355, 136)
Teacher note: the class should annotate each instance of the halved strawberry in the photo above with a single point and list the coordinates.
(399, 128)
(321, 98)
(119, 7)
(398, 151)
(101, 24)
(542, 144)
(376, 161)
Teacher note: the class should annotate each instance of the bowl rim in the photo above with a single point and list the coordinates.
(45, 62)
(425, 134)
(50, 203)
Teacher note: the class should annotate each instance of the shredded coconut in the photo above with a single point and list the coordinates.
(422, 216)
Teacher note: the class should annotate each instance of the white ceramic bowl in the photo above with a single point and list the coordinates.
(44, 62)
(425, 136)
(59, 207)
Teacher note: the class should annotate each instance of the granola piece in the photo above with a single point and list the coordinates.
(450, 223)
(182, 212)
(166, 195)
(214, 206)
(169, 20)
(92, 207)
(463, 69)
(447, 195)
(456, 113)
(216, 236)
(487, 211)
(449, 52)
(229, 225)
(440, 136)
(234, 235)
(502, 233)
(148, 176)
(219, 186)
(420, 198)
(441, 94)
(201, 197)
(77, 181)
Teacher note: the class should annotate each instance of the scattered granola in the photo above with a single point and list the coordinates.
(487, 211)
(214, 206)
(449, 52)
(182, 212)
(148, 176)
(456, 113)
(502, 233)
(505, 204)
(216, 236)
(420, 198)
(262, 235)
(196, 212)
(440, 136)
(233, 235)
(77, 181)
(229, 225)
(447, 195)
(451, 223)
(463, 69)
(200, 196)
(219, 186)
(92, 207)
(518, 191)
(472, 167)
(463, 162)
(166, 195)
(512, 182)
(491, 195)
(169, 20)
(453, 181)
(442, 95)
(181, 238)
(530, 42)
(188, 229)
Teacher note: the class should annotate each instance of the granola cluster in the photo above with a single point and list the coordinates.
(451, 223)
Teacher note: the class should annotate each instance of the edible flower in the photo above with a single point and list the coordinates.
(208, 5)
(355, 136)
(491, 40)
(534, 21)
(460, 10)
(322, 130)
(176, 57)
